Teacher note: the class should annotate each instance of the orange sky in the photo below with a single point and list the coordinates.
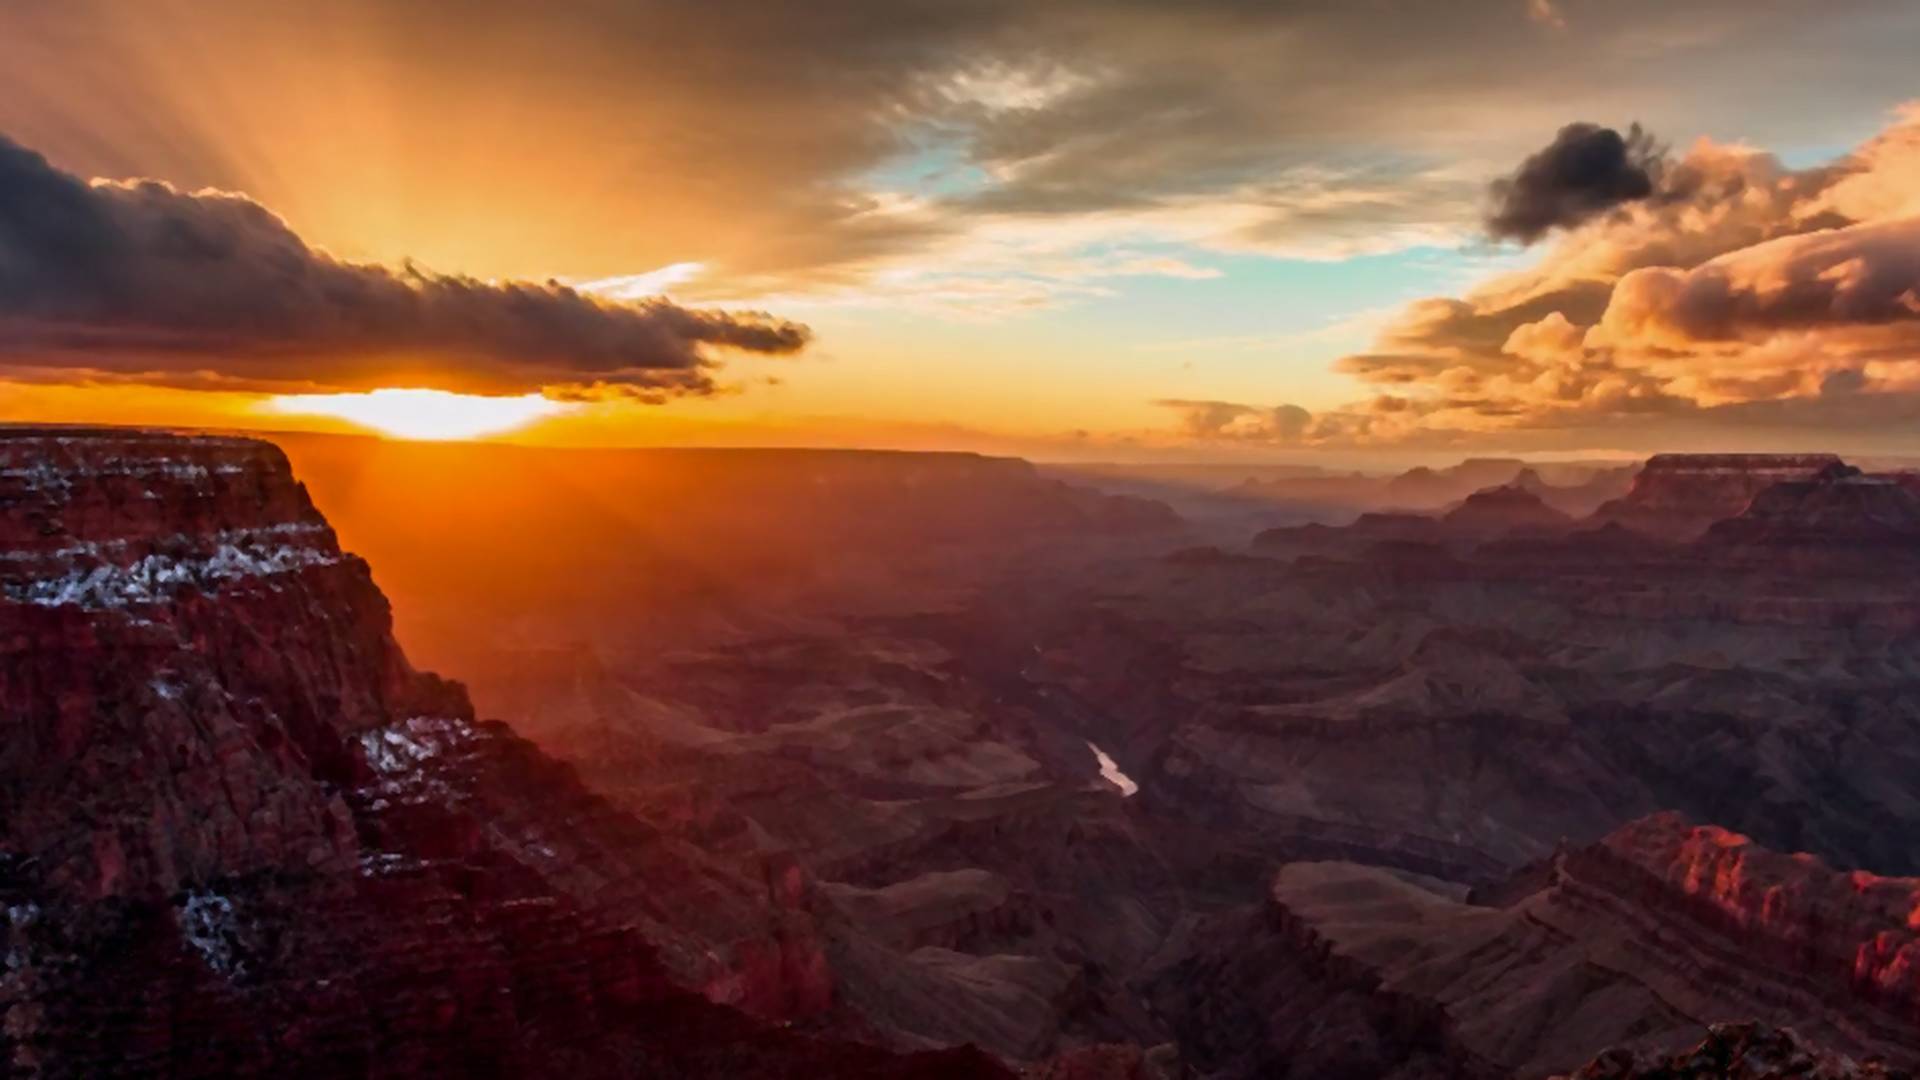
(1081, 230)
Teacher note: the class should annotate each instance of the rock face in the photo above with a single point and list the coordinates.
(1837, 521)
(1677, 496)
(1853, 933)
(1584, 496)
(1423, 487)
(1737, 1052)
(1488, 514)
(1305, 494)
(1631, 943)
(186, 648)
(240, 835)
(1502, 511)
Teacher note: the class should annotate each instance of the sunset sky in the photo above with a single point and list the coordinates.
(1074, 229)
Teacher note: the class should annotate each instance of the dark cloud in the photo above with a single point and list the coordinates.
(1585, 171)
(141, 277)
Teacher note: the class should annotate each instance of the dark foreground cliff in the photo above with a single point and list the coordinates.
(240, 835)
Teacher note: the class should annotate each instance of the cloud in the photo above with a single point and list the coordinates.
(1226, 420)
(1842, 381)
(141, 279)
(1860, 277)
(1744, 300)
(772, 142)
(1383, 419)
(1586, 171)
(1546, 14)
(644, 286)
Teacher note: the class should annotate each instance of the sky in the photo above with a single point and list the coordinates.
(1075, 230)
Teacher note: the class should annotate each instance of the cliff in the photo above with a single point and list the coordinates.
(1839, 520)
(1500, 511)
(240, 835)
(1633, 943)
(1854, 934)
(1677, 496)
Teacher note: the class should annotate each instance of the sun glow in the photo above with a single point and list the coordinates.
(425, 414)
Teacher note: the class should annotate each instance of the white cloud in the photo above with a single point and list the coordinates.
(646, 285)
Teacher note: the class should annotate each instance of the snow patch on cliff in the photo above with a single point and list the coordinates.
(19, 918)
(399, 748)
(208, 924)
(156, 577)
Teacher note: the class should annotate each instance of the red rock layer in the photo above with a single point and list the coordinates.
(1844, 929)
(1635, 942)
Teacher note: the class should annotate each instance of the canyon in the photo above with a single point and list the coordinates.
(243, 835)
(833, 764)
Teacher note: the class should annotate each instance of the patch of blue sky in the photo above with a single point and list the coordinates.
(935, 165)
(1811, 154)
(1269, 329)
(1257, 297)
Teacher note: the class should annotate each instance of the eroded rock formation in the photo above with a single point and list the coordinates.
(1677, 496)
(1634, 944)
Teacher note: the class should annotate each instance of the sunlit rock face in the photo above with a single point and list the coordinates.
(1633, 942)
(185, 648)
(240, 835)
(1853, 931)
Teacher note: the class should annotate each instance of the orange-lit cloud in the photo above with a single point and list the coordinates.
(1724, 293)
